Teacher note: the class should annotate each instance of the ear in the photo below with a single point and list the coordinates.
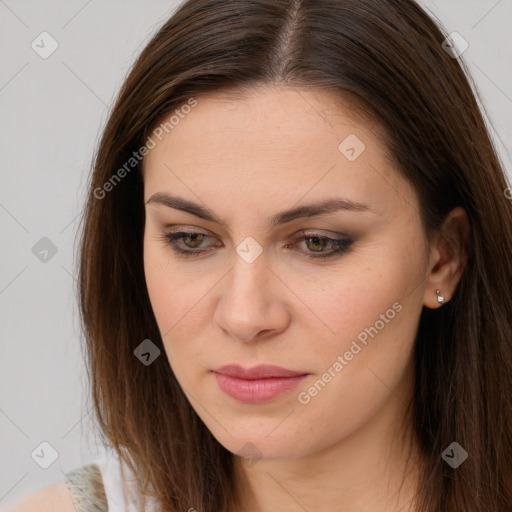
(448, 258)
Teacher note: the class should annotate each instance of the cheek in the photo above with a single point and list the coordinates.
(172, 294)
(179, 311)
(156, 276)
(354, 297)
(375, 305)
(374, 318)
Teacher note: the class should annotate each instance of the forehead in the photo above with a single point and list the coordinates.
(272, 142)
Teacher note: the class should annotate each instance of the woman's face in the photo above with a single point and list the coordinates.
(340, 305)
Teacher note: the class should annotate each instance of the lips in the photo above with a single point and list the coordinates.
(257, 372)
(258, 384)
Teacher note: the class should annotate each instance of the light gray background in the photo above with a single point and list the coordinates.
(52, 111)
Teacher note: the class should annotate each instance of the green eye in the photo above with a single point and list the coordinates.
(188, 243)
(316, 243)
(187, 237)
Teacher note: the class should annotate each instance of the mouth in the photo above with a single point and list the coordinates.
(258, 384)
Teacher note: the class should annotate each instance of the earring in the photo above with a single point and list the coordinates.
(440, 298)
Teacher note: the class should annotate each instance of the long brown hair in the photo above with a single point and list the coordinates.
(388, 56)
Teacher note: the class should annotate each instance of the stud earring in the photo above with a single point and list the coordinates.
(440, 298)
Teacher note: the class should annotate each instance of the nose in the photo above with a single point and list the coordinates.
(252, 305)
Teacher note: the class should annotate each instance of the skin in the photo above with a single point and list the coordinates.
(246, 159)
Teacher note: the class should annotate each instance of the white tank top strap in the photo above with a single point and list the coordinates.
(113, 483)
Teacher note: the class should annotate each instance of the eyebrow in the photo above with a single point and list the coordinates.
(309, 210)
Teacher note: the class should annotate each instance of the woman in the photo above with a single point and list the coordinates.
(308, 186)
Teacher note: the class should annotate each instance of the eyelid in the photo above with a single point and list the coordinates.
(176, 228)
(340, 241)
(322, 233)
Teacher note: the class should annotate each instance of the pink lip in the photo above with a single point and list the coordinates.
(261, 371)
(257, 384)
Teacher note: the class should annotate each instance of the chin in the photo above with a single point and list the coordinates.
(256, 444)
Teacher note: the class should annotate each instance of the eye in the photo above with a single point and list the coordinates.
(316, 242)
(191, 239)
(188, 243)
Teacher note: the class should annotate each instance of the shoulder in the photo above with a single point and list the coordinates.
(53, 498)
(81, 490)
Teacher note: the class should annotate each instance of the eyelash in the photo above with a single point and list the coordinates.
(342, 244)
